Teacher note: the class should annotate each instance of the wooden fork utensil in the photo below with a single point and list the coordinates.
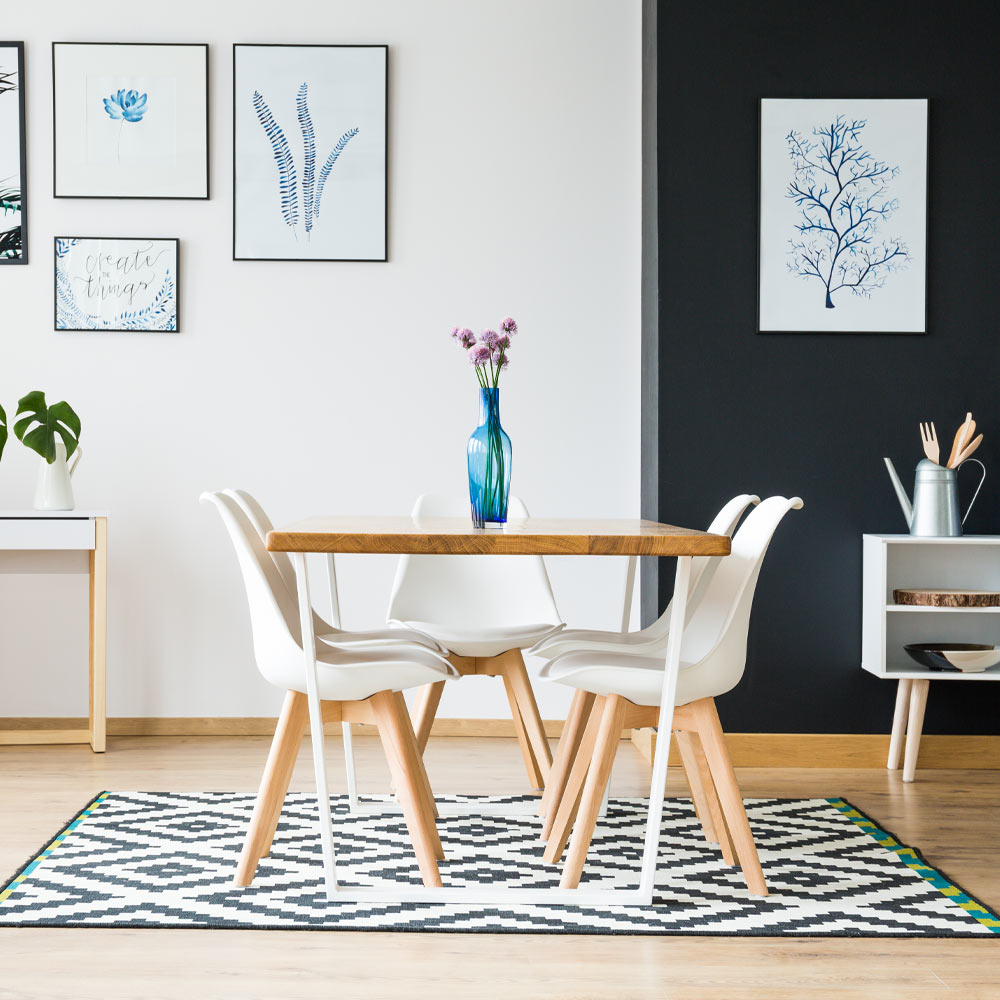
(928, 436)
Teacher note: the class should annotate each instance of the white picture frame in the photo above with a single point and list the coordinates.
(843, 216)
(130, 120)
(124, 284)
(309, 152)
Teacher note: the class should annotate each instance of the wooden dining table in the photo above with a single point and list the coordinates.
(403, 535)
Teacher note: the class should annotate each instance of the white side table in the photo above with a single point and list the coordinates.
(42, 530)
(970, 562)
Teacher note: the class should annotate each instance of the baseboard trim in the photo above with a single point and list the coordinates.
(861, 750)
(747, 749)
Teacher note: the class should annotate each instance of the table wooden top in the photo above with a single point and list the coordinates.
(530, 536)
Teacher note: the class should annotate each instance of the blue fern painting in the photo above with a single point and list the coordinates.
(843, 216)
(116, 284)
(309, 152)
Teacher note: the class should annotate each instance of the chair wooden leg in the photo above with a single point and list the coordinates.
(569, 744)
(915, 727)
(703, 793)
(569, 801)
(610, 733)
(714, 741)
(531, 719)
(428, 804)
(535, 779)
(899, 722)
(428, 699)
(274, 785)
(404, 762)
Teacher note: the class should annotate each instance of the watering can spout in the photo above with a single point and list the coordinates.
(904, 500)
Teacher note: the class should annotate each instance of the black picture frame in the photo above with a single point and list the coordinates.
(926, 229)
(385, 166)
(134, 197)
(86, 329)
(22, 257)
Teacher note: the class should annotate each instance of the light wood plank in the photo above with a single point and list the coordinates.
(950, 814)
(531, 536)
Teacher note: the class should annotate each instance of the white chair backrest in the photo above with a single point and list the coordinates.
(716, 633)
(274, 615)
(702, 567)
(263, 524)
(471, 591)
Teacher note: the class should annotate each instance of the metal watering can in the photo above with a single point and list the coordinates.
(934, 511)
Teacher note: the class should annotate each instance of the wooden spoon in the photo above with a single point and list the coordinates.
(968, 450)
(962, 435)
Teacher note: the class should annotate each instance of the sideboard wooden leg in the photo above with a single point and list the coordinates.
(918, 702)
(899, 723)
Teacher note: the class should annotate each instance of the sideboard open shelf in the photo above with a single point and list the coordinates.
(907, 561)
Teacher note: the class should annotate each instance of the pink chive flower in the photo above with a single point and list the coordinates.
(503, 341)
(479, 355)
(464, 336)
(500, 359)
(489, 338)
(508, 325)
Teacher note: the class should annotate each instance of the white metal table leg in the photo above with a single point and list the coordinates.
(316, 723)
(345, 727)
(664, 728)
(629, 592)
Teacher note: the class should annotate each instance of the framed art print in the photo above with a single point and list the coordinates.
(13, 174)
(843, 216)
(121, 284)
(309, 152)
(130, 120)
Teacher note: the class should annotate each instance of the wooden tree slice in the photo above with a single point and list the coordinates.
(948, 598)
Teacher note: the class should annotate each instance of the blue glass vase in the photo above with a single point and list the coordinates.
(489, 463)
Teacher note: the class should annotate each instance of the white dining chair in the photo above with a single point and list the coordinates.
(485, 611)
(628, 687)
(649, 641)
(356, 683)
(327, 631)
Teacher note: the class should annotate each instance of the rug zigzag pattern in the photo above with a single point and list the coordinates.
(159, 859)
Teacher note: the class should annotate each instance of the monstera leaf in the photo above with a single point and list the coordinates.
(3, 429)
(49, 421)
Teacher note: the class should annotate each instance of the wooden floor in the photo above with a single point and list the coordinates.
(953, 816)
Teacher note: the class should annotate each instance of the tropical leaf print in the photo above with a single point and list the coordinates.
(308, 155)
(330, 161)
(283, 158)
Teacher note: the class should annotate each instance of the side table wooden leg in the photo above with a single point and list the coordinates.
(99, 635)
(899, 723)
(918, 702)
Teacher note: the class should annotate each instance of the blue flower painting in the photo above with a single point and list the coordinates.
(296, 204)
(127, 105)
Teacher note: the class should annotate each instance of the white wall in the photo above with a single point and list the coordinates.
(514, 165)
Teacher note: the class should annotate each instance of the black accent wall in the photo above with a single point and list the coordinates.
(813, 414)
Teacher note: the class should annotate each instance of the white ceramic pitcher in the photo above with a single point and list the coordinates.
(54, 490)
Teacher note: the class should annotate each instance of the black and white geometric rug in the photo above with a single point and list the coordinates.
(160, 859)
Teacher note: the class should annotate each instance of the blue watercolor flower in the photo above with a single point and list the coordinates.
(127, 105)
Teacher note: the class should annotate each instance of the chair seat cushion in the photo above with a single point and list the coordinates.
(483, 641)
(580, 640)
(637, 678)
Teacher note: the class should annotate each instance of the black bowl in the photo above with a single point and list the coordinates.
(928, 654)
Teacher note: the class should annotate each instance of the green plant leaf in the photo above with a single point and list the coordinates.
(3, 430)
(59, 418)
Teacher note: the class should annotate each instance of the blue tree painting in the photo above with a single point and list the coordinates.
(842, 192)
(299, 203)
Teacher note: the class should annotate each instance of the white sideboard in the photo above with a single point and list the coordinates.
(970, 562)
(40, 530)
